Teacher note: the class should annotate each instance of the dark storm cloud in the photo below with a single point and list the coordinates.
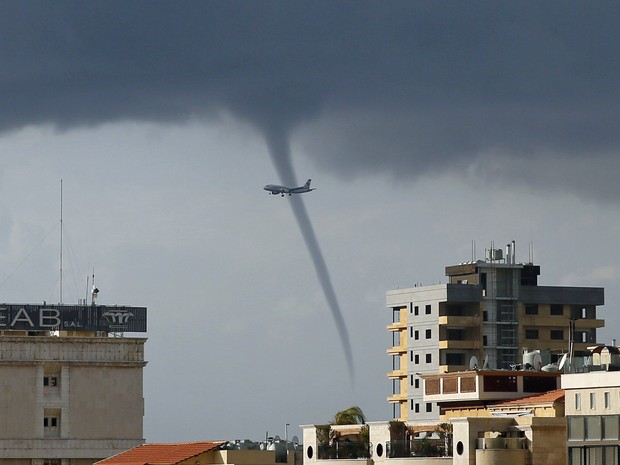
(404, 87)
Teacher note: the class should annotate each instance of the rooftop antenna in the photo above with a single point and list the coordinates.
(60, 241)
(95, 291)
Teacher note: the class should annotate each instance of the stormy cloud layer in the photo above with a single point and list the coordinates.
(405, 88)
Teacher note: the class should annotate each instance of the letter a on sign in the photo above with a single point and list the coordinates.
(22, 316)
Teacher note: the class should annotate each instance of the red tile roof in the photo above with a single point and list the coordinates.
(161, 454)
(556, 395)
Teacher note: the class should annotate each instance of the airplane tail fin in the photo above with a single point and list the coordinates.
(307, 183)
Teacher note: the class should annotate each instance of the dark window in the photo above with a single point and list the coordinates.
(428, 358)
(416, 310)
(428, 334)
(50, 381)
(531, 334)
(557, 334)
(428, 309)
(416, 335)
(455, 359)
(531, 309)
(411, 331)
(429, 407)
(416, 384)
(500, 383)
(556, 309)
(484, 340)
(416, 359)
(455, 334)
(417, 408)
(50, 422)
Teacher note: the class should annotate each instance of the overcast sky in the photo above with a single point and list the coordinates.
(424, 126)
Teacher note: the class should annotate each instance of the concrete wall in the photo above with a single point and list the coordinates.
(91, 386)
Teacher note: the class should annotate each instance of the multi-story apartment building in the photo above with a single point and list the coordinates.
(71, 395)
(485, 316)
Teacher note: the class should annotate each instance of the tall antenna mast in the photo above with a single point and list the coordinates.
(60, 241)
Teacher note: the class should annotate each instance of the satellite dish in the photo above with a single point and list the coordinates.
(473, 363)
(295, 440)
(562, 361)
(485, 365)
(537, 362)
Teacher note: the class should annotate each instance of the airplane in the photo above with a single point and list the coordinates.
(275, 189)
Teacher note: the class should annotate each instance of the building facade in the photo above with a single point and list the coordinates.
(485, 316)
(68, 397)
(593, 417)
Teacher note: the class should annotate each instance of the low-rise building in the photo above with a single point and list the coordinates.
(593, 416)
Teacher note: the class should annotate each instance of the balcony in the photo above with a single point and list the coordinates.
(460, 321)
(462, 345)
(398, 326)
(397, 350)
(397, 398)
(396, 374)
(587, 323)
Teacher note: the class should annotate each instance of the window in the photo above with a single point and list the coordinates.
(411, 380)
(531, 309)
(610, 427)
(577, 401)
(416, 383)
(396, 315)
(416, 359)
(428, 309)
(428, 358)
(556, 309)
(531, 334)
(455, 359)
(51, 462)
(417, 408)
(485, 340)
(411, 331)
(428, 333)
(557, 334)
(416, 310)
(411, 404)
(416, 335)
(607, 401)
(592, 400)
(50, 381)
(51, 424)
(429, 407)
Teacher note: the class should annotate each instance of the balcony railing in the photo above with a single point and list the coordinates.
(344, 450)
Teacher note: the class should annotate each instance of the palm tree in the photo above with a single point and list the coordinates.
(351, 416)
(351, 448)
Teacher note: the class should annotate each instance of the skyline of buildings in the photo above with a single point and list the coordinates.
(487, 314)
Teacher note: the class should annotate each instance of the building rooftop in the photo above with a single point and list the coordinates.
(161, 454)
(557, 395)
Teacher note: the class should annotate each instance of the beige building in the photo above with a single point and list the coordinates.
(68, 397)
(593, 416)
(487, 314)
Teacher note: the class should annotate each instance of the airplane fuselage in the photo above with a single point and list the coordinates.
(275, 189)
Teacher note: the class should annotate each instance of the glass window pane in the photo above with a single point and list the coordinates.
(611, 455)
(610, 427)
(576, 429)
(593, 428)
